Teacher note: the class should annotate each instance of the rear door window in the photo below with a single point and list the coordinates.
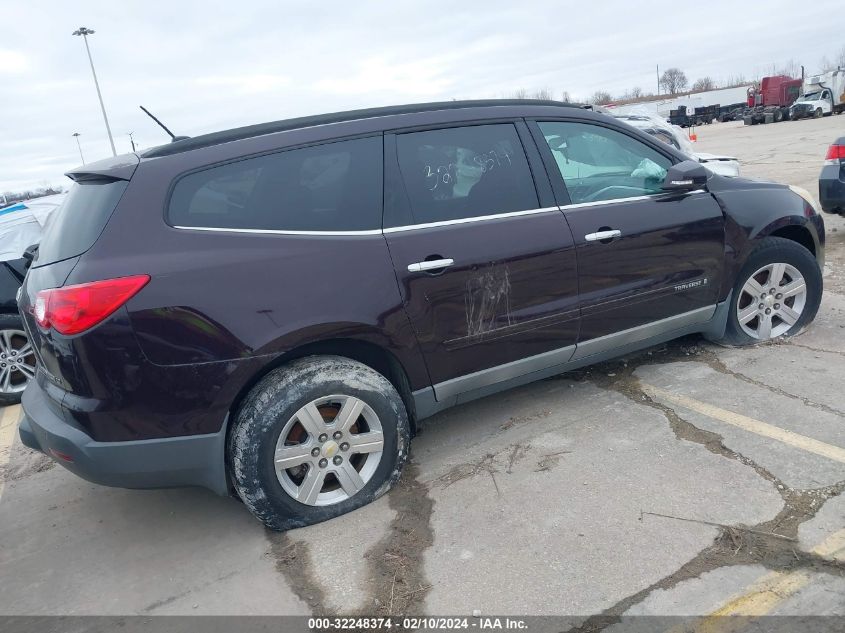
(465, 172)
(331, 187)
(74, 227)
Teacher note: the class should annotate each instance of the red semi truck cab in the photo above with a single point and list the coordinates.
(779, 90)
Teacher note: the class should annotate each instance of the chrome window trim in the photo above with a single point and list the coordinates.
(652, 196)
(278, 231)
(432, 225)
(479, 218)
(396, 229)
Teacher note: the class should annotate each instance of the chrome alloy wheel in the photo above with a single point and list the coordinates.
(329, 450)
(17, 361)
(771, 301)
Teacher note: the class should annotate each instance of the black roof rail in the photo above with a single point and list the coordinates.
(249, 131)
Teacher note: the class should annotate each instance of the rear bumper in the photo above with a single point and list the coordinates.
(194, 460)
(832, 189)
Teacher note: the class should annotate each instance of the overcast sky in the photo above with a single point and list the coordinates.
(204, 66)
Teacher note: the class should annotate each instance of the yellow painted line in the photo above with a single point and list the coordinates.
(9, 417)
(761, 597)
(832, 547)
(765, 593)
(796, 440)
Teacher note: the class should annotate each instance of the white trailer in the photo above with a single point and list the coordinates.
(662, 107)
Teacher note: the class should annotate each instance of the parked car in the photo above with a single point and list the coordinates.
(20, 227)
(677, 138)
(273, 309)
(832, 179)
(17, 361)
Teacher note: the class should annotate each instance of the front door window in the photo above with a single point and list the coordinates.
(599, 163)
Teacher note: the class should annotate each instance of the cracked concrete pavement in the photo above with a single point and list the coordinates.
(595, 494)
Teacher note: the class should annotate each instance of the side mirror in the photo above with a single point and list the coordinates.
(686, 176)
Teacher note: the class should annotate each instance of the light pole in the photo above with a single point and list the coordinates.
(85, 32)
(77, 135)
(131, 140)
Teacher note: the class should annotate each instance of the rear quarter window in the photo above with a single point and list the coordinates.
(74, 227)
(331, 187)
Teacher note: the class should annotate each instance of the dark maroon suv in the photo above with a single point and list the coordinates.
(270, 310)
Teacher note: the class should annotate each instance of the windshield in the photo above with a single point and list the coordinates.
(812, 96)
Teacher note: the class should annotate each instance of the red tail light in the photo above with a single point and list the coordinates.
(74, 309)
(835, 152)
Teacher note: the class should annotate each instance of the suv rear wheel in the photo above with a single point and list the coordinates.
(777, 293)
(315, 439)
(17, 360)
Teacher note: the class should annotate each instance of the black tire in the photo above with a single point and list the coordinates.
(274, 401)
(772, 250)
(778, 116)
(14, 323)
(818, 113)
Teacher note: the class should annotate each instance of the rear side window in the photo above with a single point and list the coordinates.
(74, 227)
(465, 172)
(331, 187)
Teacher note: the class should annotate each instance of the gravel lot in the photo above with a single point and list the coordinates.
(662, 483)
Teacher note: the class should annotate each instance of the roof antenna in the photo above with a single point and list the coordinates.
(173, 137)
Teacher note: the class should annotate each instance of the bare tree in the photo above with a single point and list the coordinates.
(791, 69)
(601, 97)
(825, 64)
(543, 93)
(521, 93)
(565, 97)
(673, 80)
(840, 58)
(735, 80)
(45, 189)
(704, 83)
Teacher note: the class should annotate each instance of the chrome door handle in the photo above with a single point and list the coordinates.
(602, 235)
(430, 264)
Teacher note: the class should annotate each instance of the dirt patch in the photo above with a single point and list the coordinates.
(547, 462)
(518, 420)
(24, 463)
(488, 464)
(397, 584)
(293, 561)
(397, 581)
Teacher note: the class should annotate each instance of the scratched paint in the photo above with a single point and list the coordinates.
(487, 300)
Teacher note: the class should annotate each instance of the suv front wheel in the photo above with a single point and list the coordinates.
(777, 293)
(315, 439)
